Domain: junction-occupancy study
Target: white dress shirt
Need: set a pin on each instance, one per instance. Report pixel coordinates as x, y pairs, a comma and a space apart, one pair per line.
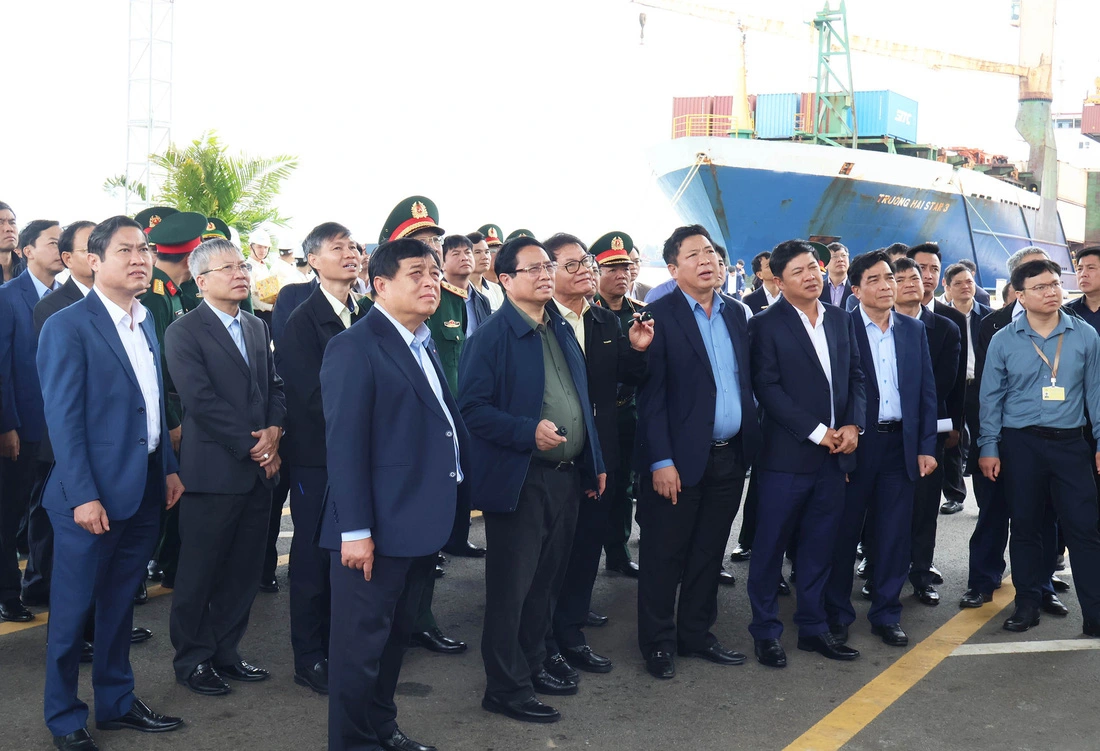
140, 354
83, 290
341, 309
821, 347
574, 320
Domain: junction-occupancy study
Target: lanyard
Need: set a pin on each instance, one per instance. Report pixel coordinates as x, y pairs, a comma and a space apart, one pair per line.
1057, 358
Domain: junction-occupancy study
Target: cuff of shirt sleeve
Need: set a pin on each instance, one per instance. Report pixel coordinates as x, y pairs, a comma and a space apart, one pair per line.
660, 465
358, 534
944, 425
990, 450
819, 434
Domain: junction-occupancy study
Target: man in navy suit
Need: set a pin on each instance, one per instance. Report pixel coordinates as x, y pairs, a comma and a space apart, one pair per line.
806, 375
100, 367
22, 422
837, 289
397, 451
535, 453
897, 448
697, 435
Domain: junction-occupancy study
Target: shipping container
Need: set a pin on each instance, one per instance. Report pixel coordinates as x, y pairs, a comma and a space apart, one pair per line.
885, 113
1090, 120
775, 115
691, 115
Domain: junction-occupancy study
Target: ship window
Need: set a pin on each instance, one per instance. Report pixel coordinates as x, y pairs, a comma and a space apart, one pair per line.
846, 169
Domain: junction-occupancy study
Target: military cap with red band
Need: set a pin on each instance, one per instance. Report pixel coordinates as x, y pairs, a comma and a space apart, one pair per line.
612, 248
152, 216
493, 234
178, 234
412, 215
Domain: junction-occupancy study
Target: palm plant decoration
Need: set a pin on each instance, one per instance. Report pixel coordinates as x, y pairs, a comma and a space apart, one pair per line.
202, 177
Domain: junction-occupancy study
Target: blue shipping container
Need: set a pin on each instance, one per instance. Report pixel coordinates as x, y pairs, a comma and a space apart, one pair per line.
885, 113
775, 115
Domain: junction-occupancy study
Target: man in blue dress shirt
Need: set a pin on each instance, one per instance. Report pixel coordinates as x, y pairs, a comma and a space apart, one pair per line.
1040, 373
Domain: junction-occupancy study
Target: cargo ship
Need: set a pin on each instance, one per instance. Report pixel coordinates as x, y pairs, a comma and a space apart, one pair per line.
848, 166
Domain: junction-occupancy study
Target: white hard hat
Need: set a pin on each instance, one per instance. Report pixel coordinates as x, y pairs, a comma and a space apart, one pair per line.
260, 237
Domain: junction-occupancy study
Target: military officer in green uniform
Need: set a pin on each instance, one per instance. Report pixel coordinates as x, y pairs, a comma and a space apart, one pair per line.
416, 218
612, 253
518, 233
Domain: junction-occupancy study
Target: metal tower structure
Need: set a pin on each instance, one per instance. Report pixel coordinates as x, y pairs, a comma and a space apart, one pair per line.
149, 95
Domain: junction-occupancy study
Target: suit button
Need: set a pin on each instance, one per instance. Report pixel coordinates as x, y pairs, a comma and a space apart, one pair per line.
141, 410
450, 434
141, 441
453, 475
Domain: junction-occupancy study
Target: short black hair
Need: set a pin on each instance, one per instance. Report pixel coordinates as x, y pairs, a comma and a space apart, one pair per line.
862, 263
897, 249
454, 242
559, 241
475, 237
671, 250
386, 259
722, 253
953, 271
758, 261
835, 247
34, 230
973, 267
323, 233
65, 242
1004, 293
1025, 271
506, 257
1092, 251
904, 264
784, 252
104, 231
932, 248
6, 207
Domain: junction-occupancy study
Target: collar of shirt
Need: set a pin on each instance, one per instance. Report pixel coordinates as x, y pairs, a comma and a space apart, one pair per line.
528, 319
134, 316
868, 323
41, 288
421, 335
569, 315
717, 303
1017, 310
930, 307
83, 290
341, 309
829, 279
806, 319
1065, 323
768, 296
225, 318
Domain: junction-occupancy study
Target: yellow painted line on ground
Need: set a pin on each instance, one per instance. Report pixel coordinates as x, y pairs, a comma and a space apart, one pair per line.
43, 616
859, 710
286, 511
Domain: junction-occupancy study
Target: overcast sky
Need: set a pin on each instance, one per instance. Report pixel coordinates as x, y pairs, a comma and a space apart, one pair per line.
525, 114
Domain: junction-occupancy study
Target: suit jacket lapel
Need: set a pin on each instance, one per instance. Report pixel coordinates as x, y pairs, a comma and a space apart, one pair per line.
736, 329
839, 369
403, 357
221, 336
865, 353
798, 331
30, 292
101, 319
685, 315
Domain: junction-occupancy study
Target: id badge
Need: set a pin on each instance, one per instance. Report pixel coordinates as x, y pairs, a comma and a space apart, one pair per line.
1054, 394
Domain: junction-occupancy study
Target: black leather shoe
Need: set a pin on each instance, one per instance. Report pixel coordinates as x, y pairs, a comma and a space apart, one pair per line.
827, 645
87, 652
269, 584
204, 679
242, 671
544, 683
937, 577
595, 620
865, 591
1060, 563
314, 678
440, 558
557, 666
861, 569
740, 554
435, 641
660, 665
784, 587
467, 550
1052, 605
725, 577
790, 577
972, 598
140, 717
769, 652
626, 568
717, 654
1024, 618
840, 631
81, 740
139, 634
859, 551
1059, 585
891, 633
528, 710
439, 573
13, 610
928, 595
950, 507
401, 742
584, 658
142, 595
1091, 628
153, 571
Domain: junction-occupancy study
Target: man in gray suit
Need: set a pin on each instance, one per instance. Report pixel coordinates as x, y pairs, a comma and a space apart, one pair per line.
233, 411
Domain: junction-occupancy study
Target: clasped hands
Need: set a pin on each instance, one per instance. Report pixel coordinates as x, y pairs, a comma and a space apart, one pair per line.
266, 451
841, 440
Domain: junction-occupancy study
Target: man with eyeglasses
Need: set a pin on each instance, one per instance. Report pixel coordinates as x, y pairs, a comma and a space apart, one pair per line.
1040, 373
484, 248
234, 410
523, 392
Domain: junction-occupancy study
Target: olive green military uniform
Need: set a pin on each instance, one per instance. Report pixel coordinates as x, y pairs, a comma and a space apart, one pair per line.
448, 327
164, 301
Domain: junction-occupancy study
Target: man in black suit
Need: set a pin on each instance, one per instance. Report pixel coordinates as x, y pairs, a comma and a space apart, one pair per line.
836, 289
697, 436
959, 280
806, 374
944, 346
234, 409
384, 516
767, 292
330, 310
611, 359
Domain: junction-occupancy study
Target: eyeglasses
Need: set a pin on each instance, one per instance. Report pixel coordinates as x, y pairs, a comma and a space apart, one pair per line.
245, 268
536, 271
1042, 289
573, 267
435, 241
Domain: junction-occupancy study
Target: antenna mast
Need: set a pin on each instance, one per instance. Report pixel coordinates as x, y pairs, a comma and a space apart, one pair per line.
149, 94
